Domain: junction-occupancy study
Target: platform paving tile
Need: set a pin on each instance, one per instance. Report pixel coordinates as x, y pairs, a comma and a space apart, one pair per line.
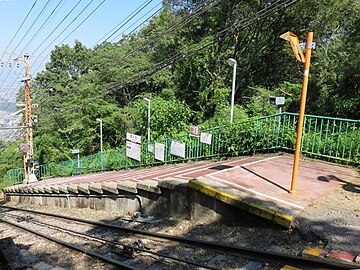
96, 187
48, 189
149, 185
55, 189
84, 188
39, 189
73, 188
63, 188
110, 187
126, 185
174, 184
243, 200
24, 189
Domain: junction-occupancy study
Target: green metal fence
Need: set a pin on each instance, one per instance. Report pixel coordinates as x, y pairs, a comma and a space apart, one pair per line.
333, 139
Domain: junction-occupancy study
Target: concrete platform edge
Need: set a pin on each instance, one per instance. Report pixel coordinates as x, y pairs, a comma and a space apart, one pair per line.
279, 218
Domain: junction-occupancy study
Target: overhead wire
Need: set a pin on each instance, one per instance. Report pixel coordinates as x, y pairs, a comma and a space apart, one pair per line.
53, 41
121, 24
192, 51
12, 39
139, 25
87, 17
188, 18
265, 12
42, 26
27, 32
76, 17
39, 66
17, 31
58, 25
170, 29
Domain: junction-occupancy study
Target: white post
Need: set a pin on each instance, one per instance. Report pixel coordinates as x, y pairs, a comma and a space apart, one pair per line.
148, 103
101, 134
232, 62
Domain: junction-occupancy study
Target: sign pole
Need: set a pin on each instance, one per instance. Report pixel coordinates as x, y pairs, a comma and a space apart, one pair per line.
309, 46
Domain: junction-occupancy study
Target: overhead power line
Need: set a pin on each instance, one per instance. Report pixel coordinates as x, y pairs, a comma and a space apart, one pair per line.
263, 13
121, 24
63, 30
23, 37
140, 24
42, 26
169, 30
17, 31
77, 16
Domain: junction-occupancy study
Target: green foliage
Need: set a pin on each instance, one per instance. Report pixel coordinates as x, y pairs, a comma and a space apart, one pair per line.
179, 61
9, 158
167, 117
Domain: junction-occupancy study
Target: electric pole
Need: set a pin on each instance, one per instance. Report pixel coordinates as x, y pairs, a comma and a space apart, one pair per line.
29, 170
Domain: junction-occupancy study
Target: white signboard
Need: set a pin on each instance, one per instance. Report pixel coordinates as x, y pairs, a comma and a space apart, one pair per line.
133, 146
177, 149
194, 131
133, 150
150, 148
159, 151
205, 137
133, 138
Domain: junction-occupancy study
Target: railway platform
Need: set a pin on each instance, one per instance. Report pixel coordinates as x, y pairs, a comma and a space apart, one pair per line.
257, 184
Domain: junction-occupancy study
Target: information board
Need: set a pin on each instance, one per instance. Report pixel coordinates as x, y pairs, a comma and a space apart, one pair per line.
159, 151
133, 150
133, 138
177, 149
205, 137
133, 146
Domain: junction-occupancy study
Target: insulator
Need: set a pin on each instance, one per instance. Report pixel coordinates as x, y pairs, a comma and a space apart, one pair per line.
17, 65
9, 64
2, 64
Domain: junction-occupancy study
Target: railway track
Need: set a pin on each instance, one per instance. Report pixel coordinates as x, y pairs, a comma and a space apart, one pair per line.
129, 248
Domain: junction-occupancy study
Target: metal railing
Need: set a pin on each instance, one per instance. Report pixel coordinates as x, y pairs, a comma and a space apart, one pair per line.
333, 139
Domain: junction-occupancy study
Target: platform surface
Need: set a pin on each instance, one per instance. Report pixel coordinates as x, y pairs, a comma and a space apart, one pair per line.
261, 182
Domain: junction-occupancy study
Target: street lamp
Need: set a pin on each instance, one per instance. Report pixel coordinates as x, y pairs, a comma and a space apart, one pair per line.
146, 100
232, 62
101, 139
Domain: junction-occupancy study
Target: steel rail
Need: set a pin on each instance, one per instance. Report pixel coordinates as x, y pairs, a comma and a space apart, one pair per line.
71, 246
249, 253
113, 242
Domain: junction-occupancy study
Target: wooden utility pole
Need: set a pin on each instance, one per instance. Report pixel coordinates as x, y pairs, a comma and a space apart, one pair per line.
29, 172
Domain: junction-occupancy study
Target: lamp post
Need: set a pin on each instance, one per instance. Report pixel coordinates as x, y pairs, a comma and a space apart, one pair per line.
232, 62
295, 45
101, 137
146, 100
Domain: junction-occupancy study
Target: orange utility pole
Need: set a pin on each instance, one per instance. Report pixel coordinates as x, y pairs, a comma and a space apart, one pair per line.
29, 170
308, 46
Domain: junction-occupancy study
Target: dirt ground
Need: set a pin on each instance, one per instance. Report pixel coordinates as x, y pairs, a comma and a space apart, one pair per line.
335, 218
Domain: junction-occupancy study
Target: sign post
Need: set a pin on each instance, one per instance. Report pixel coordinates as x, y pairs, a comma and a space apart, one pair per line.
299, 56
77, 151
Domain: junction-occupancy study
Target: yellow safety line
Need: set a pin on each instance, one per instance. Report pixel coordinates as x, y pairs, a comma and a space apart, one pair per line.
279, 218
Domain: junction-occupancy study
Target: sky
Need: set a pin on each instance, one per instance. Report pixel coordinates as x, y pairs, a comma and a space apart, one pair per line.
47, 19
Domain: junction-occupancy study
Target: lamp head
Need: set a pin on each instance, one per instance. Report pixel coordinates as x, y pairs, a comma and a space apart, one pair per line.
98, 119
231, 62
146, 100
